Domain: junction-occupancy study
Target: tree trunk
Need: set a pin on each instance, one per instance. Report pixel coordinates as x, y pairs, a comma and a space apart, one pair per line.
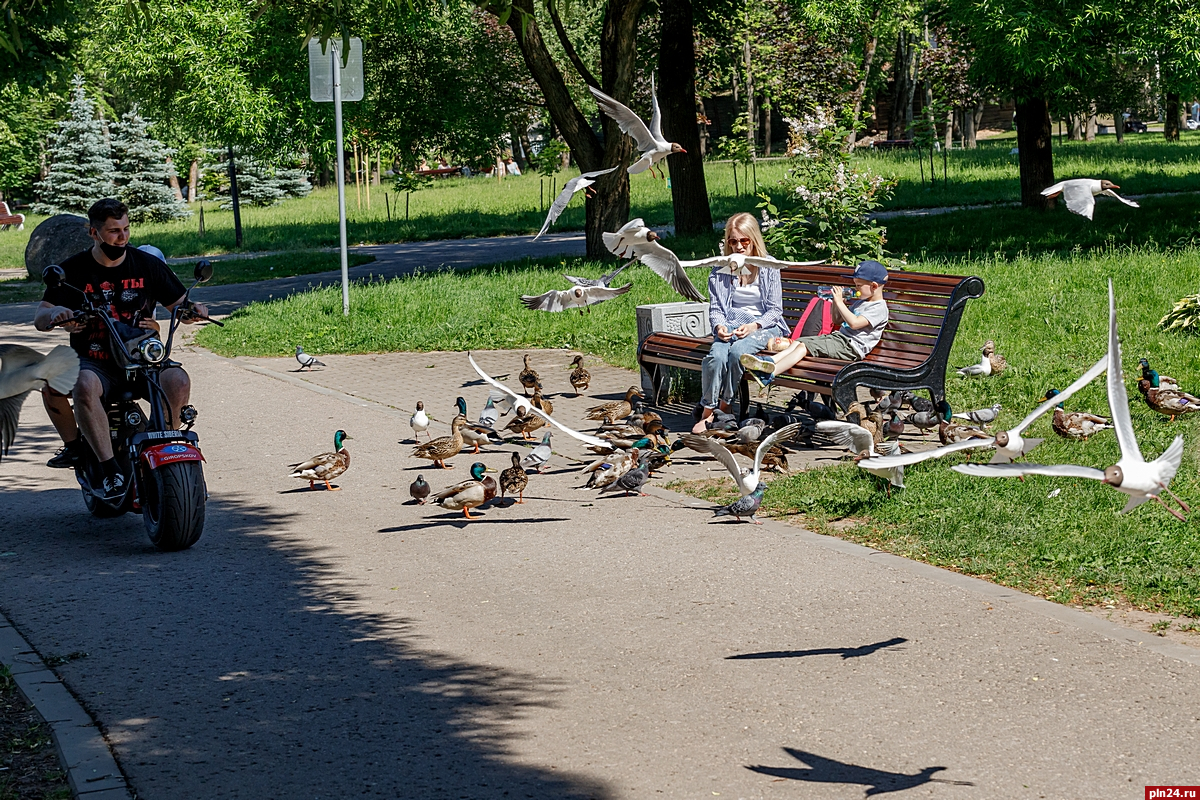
1076, 128
173, 181
702, 123
902, 88
766, 115
870, 44
609, 208
1090, 133
1119, 125
677, 97
751, 119
949, 138
969, 135
233, 195
193, 180
1174, 109
1036, 158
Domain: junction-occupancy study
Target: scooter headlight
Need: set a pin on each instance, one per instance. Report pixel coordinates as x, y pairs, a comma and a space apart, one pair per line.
152, 350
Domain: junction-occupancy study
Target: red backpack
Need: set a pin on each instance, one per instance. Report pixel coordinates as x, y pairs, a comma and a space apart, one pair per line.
817, 319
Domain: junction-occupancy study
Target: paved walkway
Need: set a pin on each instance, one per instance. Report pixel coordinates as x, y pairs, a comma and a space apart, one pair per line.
348, 644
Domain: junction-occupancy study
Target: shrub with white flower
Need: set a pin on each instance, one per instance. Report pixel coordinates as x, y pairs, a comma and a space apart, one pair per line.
825, 210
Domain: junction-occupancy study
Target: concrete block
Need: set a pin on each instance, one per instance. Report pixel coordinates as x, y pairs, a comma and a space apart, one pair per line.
684, 318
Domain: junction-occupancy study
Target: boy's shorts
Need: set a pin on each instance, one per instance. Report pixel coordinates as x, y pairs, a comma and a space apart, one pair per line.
831, 345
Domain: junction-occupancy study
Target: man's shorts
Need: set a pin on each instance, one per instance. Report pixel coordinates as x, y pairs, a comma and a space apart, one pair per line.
112, 381
830, 345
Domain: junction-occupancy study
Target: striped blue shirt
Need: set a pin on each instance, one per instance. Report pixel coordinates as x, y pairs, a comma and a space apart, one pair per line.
720, 304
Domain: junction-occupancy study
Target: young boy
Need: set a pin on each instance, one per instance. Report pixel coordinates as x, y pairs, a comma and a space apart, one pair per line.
861, 329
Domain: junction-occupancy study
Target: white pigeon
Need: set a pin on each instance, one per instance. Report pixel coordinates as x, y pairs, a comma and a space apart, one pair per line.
306, 361
983, 416
1132, 475
1009, 445
23, 369
580, 183
1080, 194
523, 406
539, 455
420, 422
576, 297
859, 441
650, 142
747, 480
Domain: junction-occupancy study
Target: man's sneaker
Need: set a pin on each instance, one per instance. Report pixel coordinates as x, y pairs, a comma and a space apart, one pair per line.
114, 487
66, 457
758, 364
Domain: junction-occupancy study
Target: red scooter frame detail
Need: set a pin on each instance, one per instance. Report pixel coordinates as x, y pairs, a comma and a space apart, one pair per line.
170, 452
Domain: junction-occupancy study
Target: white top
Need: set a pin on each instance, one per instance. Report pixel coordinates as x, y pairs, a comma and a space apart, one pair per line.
864, 340
748, 300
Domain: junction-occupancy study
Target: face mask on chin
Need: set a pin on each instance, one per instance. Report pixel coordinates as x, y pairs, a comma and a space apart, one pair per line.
112, 251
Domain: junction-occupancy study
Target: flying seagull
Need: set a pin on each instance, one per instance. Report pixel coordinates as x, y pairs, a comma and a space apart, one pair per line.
1080, 194
635, 240
23, 369
1132, 475
572, 186
306, 361
747, 480
740, 263
576, 297
650, 142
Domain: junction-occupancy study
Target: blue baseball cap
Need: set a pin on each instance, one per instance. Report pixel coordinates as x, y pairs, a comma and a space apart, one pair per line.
871, 271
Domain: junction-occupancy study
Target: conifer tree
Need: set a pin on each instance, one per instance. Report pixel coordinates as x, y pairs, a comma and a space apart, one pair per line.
143, 173
81, 166
259, 184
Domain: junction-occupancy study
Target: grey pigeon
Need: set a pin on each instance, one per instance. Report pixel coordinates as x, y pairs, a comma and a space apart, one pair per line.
490, 414
631, 481
751, 430
306, 361
744, 506
419, 489
920, 404
982, 416
538, 456
923, 420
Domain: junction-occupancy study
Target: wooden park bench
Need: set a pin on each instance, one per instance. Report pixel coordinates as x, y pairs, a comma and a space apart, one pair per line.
440, 172
8, 219
924, 312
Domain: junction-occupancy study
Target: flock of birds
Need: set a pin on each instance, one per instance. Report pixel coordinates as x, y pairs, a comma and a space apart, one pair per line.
631, 440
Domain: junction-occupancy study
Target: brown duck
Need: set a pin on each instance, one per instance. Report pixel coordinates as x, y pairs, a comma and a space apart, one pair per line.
616, 409
581, 379
443, 447
528, 376
514, 479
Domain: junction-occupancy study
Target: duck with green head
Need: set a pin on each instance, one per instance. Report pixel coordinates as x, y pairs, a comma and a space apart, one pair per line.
1157, 381
326, 466
469, 493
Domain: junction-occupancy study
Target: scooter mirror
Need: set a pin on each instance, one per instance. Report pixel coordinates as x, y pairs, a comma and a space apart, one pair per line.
204, 271
53, 276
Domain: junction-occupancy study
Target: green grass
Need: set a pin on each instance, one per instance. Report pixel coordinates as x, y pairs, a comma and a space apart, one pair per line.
1048, 315
234, 270
461, 207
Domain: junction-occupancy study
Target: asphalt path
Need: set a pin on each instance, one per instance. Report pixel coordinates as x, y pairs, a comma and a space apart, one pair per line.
328, 645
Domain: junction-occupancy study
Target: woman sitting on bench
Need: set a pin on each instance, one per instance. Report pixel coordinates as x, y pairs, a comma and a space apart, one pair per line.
861, 329
745, 311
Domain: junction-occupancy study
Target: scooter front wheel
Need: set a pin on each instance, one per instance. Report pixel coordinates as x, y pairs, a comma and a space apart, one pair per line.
173, 508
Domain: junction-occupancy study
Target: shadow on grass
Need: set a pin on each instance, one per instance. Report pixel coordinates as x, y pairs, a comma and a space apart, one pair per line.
245, 667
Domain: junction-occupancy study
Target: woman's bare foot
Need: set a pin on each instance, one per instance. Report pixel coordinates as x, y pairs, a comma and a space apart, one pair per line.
702, 424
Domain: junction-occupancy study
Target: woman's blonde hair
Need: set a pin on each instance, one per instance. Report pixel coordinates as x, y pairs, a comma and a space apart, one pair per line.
747, 225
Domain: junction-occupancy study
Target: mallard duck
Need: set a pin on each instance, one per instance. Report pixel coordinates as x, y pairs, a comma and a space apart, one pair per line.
1157, 381
528, 376
443, 447
1172, 402
525, 424
581, 379
514, 479
620, 429
473, 435
990, 363
419, 489
420, 422
1077, 425
539, 402
616, 409
470, 493
326, 466
605, 471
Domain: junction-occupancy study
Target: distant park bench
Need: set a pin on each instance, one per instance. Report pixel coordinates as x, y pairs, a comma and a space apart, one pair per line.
924, 312
440, 172
8, 219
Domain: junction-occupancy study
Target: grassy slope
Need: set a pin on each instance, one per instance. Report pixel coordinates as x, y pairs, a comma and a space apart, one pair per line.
460, 207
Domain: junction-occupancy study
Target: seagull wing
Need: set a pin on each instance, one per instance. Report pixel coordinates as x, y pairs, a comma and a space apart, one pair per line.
666, 264
10, 414
1111, 193
656, 117
1118, 399
720, 452
1082, 381
771, 263
854, 438
552, 300
1055, 189
598, 294
530, 409
1018, 470
925, 455
616, 241
597, 173
563, 200
1079, 197
784, 434
626, 120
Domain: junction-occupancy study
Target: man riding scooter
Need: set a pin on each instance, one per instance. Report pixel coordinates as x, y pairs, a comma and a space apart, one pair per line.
131, 282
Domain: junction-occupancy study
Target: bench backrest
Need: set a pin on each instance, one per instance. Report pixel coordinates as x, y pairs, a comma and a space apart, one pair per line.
917, 304
4, 212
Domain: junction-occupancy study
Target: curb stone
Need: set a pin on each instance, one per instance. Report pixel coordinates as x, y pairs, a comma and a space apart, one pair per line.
92, 772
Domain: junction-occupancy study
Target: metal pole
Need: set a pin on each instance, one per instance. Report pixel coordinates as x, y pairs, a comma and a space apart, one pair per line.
341, 173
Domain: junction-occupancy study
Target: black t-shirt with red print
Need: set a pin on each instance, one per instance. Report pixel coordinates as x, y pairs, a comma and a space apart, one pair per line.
129, 290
